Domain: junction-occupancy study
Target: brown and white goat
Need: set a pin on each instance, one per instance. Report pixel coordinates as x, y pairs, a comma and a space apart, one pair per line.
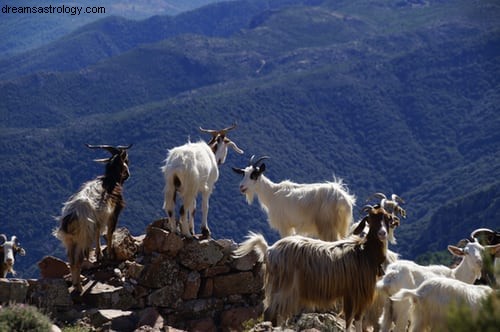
8, 252
305, 273
93, 211
190, 169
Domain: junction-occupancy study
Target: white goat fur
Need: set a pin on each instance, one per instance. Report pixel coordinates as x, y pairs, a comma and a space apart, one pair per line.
321, 210
408, 274
433, 298
191, 169
8, 251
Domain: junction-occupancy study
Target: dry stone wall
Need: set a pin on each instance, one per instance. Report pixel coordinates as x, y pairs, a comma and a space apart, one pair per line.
159, 280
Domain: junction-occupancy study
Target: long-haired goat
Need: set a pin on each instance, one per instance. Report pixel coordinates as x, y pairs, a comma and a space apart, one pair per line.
305, 273
408, 274
8, 252
433, 298
93, 211
192, 168
321, 210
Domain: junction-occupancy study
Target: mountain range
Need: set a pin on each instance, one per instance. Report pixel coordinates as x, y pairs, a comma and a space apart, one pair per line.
391, 96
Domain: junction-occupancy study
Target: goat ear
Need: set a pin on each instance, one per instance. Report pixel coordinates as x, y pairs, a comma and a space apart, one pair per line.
456, 251
361, 226
3, 239
262, 168
238, 170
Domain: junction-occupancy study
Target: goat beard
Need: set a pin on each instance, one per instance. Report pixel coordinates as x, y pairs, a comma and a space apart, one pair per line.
249, 195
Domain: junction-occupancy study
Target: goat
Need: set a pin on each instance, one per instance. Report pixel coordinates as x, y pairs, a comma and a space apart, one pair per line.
305, 273
433, 298
392, 205
93, 211
372, 313
487, 237
190, 169
321, 210
408, 274
8, 252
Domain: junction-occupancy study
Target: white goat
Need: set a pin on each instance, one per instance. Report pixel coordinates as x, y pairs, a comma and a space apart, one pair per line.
8, 252
433, 298
408, 274
321, 210
190, 169
93, 211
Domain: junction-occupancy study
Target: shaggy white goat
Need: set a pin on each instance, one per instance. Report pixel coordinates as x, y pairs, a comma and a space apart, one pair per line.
305, 273
8, 252
190, 169
408, 274
93, 211
321, 210
433, 298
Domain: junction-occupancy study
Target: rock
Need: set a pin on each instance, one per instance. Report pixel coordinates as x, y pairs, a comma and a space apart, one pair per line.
233, 319
192, 286
117, 320
133, 270
237, 283
150, 317
199, 255
52, 267
162, 241
50, 293
202, 325
245, 263
13, 290
161, 272
167, 296
101, 295
124, 245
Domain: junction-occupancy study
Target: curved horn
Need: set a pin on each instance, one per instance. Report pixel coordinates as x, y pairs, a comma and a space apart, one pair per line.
367, 208
112, 149
398, 199
3, 238
221, 132
108, 148
255, 163
377, 195
124, 147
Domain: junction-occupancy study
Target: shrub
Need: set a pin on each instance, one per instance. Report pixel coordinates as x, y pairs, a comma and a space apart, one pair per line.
21, 318
488, 319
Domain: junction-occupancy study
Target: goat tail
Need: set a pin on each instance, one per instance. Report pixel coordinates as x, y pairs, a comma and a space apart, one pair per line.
254, 242
405, 294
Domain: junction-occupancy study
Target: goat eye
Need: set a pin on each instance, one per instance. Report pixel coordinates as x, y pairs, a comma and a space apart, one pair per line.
254, 175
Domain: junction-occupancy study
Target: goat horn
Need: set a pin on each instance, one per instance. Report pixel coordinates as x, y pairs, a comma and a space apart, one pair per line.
255, 163
377, 195
109, 148
367, 208
3, 238
124, 147
221, 132
397, 199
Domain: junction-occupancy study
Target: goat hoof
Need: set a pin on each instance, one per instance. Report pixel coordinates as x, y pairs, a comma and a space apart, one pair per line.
205, 232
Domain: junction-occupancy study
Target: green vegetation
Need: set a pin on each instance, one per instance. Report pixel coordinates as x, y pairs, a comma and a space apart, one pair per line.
20, 318
461, 319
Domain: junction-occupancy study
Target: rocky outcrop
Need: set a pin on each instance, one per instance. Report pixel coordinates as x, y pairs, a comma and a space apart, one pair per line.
158, 281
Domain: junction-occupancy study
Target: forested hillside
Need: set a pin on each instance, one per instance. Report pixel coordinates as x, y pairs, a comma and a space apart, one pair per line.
391, 96
21, 31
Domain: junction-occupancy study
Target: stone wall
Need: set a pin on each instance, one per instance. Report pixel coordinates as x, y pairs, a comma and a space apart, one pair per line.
157, 280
